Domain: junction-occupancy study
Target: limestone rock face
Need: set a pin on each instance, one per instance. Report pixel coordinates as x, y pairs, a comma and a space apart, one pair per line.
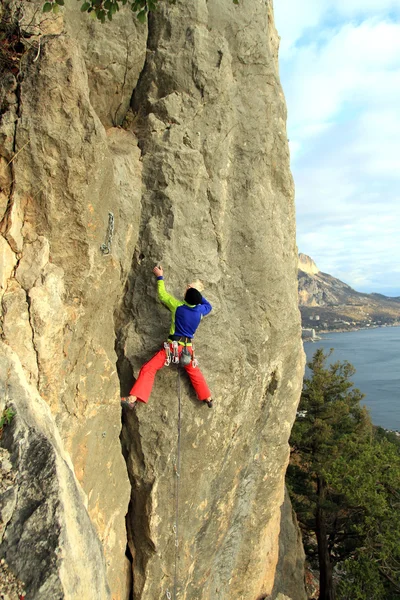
114, 55
198, 179
218, 200
59, 290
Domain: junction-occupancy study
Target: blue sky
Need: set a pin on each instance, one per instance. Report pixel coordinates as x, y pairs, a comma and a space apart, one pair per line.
340, 70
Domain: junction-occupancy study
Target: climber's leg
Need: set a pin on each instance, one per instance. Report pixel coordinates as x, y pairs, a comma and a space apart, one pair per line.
144, 383
198, 382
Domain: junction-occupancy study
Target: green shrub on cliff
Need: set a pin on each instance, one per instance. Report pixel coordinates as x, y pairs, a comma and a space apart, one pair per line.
6, 418
344, 480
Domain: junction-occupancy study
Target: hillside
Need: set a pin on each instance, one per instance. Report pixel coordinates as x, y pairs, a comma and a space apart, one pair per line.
326, 303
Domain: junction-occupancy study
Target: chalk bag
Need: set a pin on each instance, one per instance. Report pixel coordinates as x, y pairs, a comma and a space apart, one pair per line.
185, 357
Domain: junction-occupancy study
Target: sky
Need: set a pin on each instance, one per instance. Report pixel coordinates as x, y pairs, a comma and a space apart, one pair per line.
339, 64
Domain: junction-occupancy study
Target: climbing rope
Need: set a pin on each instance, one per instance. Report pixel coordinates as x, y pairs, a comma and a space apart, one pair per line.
177, 467
177, 477
106, 247
177, 481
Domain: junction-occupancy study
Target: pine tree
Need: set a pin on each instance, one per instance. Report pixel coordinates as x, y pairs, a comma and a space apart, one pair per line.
344, 483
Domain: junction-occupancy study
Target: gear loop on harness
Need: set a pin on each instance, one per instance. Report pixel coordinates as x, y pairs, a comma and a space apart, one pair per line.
175, 353
195, 362
167, 354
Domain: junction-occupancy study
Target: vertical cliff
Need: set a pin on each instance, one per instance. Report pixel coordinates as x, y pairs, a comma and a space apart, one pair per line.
166, 143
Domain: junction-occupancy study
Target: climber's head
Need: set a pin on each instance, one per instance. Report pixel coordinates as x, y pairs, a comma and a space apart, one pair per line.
192, 296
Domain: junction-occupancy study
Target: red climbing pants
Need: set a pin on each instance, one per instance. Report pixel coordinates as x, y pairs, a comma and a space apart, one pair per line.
144, 383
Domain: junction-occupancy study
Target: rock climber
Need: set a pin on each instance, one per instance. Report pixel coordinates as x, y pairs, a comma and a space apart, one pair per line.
186, 317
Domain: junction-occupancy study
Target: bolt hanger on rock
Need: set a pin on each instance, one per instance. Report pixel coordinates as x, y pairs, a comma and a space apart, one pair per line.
106, 247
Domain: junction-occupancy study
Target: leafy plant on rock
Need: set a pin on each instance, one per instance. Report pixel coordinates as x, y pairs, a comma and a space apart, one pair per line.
6, 418
106, 9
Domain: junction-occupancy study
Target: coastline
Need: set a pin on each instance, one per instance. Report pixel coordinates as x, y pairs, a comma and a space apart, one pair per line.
349, 329
375, 358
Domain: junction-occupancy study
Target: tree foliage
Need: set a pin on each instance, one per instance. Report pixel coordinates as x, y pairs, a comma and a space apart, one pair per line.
106, 9
6, 418
367, 475
344, 478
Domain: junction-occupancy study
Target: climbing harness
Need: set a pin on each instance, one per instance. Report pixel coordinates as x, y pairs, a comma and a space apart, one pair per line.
184, 359
106, 247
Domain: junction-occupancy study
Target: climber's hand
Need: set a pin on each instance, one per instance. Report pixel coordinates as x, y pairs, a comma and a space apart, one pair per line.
158, 271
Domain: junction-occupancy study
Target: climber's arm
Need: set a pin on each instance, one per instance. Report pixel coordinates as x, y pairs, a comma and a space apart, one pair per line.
168, 300
205, 306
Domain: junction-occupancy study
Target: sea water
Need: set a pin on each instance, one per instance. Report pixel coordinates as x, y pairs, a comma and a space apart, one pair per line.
375, 354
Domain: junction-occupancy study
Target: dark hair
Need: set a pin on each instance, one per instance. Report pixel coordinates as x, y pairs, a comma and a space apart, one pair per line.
193, 296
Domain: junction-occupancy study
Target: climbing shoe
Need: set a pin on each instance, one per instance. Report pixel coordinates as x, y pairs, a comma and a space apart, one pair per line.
127, 402
209, 403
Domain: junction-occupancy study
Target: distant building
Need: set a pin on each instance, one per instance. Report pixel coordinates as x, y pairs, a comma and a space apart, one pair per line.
307, 334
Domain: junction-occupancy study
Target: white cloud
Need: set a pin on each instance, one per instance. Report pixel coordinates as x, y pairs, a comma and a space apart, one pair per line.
363, 252
293, 18
295, 149
342, 86
296, 19
353, 8
358, 64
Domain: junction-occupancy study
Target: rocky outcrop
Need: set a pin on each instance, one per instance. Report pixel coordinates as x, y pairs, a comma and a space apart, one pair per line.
46, 535
307, 265
197, 178
290, 578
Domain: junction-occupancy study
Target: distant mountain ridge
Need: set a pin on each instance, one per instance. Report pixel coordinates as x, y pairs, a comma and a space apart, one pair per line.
326, 303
